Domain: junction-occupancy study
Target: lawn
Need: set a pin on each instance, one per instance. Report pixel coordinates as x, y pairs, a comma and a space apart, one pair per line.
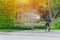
10, 30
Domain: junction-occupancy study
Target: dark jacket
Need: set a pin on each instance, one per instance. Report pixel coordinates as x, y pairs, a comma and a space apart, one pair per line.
47, 19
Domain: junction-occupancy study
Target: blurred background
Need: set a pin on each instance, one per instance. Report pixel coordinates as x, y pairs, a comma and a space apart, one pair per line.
29, 14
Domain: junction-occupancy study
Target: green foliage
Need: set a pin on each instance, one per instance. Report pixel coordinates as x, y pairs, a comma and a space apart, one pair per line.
56, 24
55, 4
7, 13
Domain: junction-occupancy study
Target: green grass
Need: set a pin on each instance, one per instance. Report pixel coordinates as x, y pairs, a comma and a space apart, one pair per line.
17, 29
10, 30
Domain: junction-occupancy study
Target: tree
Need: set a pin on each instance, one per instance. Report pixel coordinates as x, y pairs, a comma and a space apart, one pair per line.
7, 12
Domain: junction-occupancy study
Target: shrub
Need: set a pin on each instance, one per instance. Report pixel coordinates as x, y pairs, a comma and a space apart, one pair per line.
56, 23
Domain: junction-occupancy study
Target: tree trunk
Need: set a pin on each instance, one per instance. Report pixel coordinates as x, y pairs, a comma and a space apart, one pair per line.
57, 13
49, 8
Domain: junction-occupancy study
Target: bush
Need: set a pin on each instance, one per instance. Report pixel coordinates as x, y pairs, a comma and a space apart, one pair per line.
6, 22
22, 26
56, 23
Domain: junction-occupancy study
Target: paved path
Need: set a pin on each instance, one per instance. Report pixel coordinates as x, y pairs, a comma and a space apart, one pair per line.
31, 35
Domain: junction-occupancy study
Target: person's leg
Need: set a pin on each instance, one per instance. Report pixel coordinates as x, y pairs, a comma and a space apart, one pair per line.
45, 26
48, 27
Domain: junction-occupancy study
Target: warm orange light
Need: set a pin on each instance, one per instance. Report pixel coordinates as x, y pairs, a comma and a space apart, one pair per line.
23, 1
